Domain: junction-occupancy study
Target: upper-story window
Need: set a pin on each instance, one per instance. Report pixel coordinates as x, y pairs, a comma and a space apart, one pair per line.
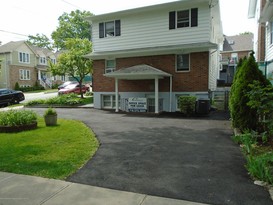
183, 18
183, 62
110, 66
110, 28
42, 60
53, 61
234, 58
24, 57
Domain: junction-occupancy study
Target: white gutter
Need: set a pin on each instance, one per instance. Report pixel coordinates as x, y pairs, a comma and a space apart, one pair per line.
252, 8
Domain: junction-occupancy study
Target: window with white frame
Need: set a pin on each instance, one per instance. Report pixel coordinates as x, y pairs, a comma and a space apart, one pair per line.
24, 74
53, 60
24, 57
182, 62
109, 29
183, 18
109, 101
110, 66
42, 60
234, 58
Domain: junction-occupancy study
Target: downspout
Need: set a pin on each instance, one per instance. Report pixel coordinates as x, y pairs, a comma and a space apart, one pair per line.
171, 94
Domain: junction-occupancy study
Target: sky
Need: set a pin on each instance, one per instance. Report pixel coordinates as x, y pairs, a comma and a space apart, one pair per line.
20, 18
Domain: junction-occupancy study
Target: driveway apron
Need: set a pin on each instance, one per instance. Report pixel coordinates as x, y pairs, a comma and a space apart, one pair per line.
189, 159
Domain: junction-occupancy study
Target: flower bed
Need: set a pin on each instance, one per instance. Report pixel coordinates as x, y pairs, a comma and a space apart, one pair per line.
17, 120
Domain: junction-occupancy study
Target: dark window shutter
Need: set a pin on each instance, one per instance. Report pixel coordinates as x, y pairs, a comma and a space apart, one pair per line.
117, 27
101, 30
194, 17
172, 20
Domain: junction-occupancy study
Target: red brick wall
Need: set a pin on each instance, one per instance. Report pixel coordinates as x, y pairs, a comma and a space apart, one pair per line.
193, 81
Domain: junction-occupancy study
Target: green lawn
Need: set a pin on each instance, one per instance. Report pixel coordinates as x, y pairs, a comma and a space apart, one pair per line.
53, 152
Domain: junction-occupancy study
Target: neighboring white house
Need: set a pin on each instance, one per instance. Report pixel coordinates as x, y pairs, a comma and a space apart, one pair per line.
157, 53
262, 11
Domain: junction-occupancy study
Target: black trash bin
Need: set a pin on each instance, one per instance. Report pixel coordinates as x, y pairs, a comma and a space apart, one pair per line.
203, 106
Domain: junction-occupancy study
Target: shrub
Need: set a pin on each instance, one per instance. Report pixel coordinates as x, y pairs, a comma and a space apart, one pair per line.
50, 111
243, 116
17, 87
68, 99
187, 104
17, 117
261, 167
261, 99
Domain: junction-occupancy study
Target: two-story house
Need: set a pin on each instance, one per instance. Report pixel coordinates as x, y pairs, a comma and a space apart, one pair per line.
234, 48
145, 58
262, 11
25, 64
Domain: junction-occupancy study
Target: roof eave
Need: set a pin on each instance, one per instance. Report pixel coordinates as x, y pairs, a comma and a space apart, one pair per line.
151, 51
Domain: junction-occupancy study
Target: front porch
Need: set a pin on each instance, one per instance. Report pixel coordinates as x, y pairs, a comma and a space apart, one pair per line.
150, 103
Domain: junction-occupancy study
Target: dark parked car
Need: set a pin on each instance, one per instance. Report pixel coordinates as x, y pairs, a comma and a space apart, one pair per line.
8, 96
73, 88
66, 84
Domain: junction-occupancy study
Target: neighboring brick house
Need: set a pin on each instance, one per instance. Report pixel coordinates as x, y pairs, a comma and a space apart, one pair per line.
262, 11
25, 64
234, 48
152, 55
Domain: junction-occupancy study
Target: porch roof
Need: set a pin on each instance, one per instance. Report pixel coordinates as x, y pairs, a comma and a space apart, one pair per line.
138, 72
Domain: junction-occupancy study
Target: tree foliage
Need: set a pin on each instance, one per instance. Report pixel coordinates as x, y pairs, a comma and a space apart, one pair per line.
243, 116
72, 62
71, 25
40, 40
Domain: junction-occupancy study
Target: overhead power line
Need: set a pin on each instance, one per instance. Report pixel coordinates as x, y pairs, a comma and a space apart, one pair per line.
71, 4
18, 34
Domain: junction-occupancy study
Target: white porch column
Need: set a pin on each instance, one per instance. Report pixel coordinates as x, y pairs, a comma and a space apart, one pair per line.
116, 91
39, 75
171, 90
156, 95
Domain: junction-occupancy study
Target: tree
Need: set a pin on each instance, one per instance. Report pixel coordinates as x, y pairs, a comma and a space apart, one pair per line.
73, 62
243, 116
246, 33
73, 25
40, 40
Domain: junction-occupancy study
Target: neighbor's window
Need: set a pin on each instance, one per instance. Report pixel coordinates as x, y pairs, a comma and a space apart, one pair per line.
53, 60
183, 62
110, 28
183, 18
42, 60
24, 74
23, 57
110, 66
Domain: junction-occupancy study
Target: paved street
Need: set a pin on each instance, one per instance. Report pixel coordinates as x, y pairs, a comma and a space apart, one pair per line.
188, 159
37, 96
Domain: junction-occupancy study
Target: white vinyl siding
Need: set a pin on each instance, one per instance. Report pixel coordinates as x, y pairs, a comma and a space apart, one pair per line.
144, 30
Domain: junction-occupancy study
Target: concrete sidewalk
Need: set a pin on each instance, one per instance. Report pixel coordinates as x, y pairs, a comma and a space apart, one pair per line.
18, 189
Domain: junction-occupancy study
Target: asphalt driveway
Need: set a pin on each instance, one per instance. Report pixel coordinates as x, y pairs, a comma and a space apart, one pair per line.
189, 159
